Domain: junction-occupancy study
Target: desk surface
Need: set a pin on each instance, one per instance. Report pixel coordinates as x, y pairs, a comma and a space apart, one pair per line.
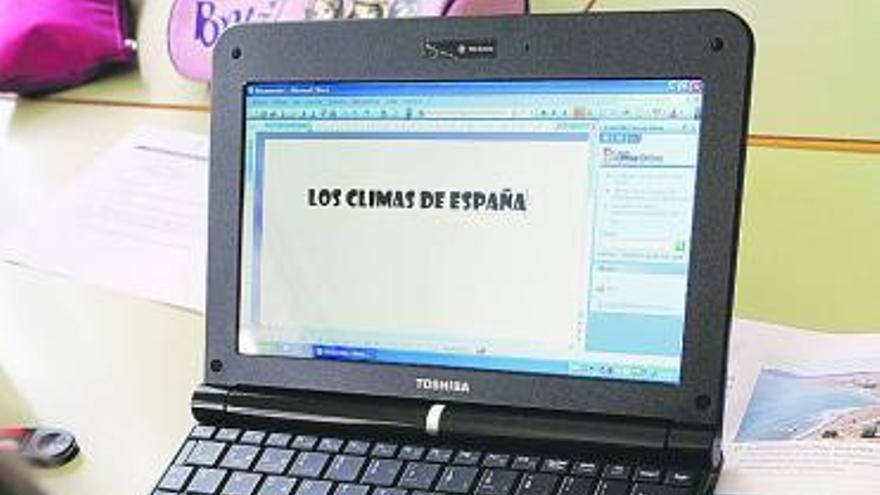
118, 371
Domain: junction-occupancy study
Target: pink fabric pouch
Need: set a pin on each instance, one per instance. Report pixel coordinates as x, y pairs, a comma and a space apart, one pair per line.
52, 44
195, 25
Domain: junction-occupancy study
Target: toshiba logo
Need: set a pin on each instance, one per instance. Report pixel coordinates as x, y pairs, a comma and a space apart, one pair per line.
437, 385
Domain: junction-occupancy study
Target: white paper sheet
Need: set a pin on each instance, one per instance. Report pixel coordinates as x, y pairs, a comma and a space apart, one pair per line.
800, 405
134, 221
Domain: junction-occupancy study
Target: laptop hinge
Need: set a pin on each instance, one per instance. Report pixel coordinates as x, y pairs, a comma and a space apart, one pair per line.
378, 415
528, 425
222, 405
208, 403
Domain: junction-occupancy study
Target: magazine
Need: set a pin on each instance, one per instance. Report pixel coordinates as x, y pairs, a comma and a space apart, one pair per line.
802, 414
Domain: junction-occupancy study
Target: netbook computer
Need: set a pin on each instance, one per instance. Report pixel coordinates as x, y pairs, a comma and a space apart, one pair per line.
470, 257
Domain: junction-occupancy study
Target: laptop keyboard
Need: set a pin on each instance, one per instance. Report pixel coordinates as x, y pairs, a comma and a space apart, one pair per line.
229, 461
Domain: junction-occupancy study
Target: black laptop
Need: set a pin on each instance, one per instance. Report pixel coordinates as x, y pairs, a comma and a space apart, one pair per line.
486, 256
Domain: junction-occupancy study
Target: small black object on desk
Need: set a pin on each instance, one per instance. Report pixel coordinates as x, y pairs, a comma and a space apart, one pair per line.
44, 447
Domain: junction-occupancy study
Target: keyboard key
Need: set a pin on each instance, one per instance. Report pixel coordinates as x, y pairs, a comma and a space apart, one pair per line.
496, 460
274, 461
648, 475
309, 464
351, 489
585, 468
332, 445
304, 442
357, 447
184, 452
314, 487
202, 432
466, 458
241, 484
496, 482
411, 453
206, 481
554, 466
345, 468
681, 478
240, 457
279, 440
206, 453
253, 437
418, 475
386, 450
612, 487
525, 463
389, 491
175, 478
576, 486
277, 485
381, 472
651, 489
457, 479
537, 484
439, 455
617, 472
228, 434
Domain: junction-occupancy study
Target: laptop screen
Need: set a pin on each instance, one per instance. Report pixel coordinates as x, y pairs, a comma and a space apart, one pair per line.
536, 226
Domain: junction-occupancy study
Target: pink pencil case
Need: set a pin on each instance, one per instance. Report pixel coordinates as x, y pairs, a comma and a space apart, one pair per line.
195, 25
52, 44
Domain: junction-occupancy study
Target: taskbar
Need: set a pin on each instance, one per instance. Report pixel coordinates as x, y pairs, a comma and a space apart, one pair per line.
602, 369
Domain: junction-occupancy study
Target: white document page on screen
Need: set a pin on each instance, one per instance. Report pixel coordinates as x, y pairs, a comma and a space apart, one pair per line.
417, 275
134, 221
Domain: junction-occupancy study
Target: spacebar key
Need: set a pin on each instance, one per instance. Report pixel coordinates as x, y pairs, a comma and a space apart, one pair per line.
537, 484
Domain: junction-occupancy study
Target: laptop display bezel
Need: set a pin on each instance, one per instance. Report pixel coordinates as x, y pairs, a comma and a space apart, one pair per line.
713, 46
